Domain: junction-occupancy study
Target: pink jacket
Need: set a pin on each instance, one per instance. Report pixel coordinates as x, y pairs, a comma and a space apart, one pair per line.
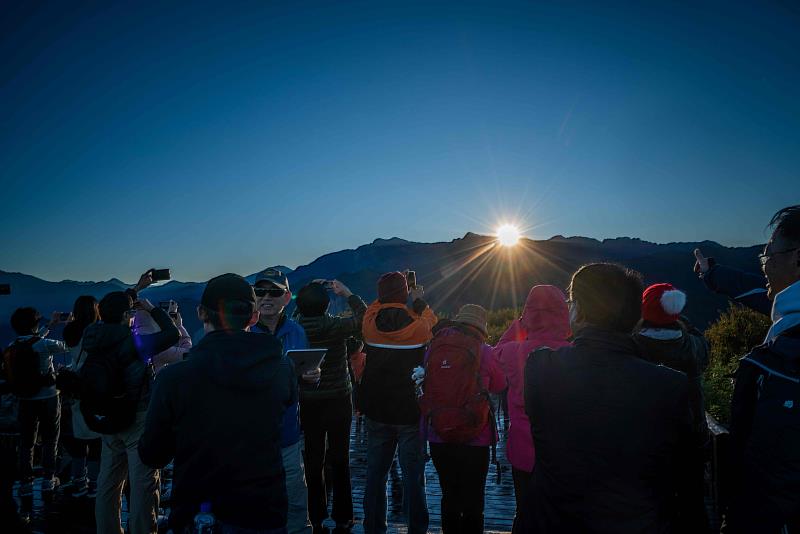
544, 322
493, 382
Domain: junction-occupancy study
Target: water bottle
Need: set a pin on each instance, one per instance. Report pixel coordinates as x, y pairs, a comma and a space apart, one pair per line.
204, 521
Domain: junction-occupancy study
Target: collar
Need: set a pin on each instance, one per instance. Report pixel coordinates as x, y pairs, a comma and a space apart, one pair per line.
596, 337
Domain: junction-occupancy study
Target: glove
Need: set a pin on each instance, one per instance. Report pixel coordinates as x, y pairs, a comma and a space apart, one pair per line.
418, 375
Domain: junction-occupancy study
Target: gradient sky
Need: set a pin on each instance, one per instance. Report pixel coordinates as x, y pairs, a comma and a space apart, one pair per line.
215, 137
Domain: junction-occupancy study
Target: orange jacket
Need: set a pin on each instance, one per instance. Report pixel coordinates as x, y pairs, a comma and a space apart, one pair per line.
416, 333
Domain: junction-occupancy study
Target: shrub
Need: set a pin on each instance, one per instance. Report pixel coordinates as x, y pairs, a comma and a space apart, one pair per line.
737, 330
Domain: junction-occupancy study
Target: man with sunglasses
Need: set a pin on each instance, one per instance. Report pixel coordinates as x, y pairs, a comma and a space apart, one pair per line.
765, 409
272, 296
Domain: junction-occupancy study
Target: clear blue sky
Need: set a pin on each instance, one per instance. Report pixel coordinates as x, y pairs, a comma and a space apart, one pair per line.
232, 137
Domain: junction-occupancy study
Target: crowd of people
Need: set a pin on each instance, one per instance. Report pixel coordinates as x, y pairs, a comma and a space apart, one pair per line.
608, 430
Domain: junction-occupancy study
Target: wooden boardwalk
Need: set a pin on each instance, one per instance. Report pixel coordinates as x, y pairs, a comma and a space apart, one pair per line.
63, 515
499, 512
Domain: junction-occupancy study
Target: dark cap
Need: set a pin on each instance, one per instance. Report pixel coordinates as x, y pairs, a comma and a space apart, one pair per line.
274, 277
227, 288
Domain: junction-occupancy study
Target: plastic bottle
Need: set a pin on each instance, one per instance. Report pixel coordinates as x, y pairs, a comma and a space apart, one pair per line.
205, 520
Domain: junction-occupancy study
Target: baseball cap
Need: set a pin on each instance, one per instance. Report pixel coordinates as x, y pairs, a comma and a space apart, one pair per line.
274, 277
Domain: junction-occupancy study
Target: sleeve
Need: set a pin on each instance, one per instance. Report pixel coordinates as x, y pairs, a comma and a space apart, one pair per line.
148, 345
348, 326
157, 444
746, 288
424, 323
743, 407
491, 373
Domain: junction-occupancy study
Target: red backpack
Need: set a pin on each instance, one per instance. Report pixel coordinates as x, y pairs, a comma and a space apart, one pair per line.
454, 402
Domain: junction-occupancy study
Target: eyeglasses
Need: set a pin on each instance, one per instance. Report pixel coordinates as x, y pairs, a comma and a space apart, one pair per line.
764, 258
274, 293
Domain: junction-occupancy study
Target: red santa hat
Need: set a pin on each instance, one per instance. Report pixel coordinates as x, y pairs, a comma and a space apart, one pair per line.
662, 304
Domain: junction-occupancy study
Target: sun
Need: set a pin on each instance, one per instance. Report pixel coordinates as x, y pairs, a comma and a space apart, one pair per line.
508, 235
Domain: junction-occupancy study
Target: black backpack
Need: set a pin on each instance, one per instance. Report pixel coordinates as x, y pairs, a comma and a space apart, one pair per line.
23, 368
105, 406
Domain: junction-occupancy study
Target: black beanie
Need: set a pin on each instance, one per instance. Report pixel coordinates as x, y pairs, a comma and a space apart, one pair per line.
313, 300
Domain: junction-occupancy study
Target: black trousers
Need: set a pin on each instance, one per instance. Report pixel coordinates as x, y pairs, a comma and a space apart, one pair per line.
462, 475
521, 481
42, 418
331, 419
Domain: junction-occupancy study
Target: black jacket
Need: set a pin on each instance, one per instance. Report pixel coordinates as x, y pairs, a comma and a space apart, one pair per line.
765, 437
218, 415
687, 354
132, 353
612, 433
387, 393
326, 331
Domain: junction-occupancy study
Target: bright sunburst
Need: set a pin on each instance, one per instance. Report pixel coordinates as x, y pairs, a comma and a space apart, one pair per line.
508, 235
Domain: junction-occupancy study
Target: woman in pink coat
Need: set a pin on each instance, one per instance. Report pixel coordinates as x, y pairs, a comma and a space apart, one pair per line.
544, 322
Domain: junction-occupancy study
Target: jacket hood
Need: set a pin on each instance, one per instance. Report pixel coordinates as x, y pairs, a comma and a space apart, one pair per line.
785, 311
237, 359
545, 313
99, 337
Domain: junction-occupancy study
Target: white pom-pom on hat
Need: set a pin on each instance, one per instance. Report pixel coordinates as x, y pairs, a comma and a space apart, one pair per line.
673, 301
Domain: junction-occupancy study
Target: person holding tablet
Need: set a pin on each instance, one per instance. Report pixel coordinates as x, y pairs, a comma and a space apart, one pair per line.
326, 409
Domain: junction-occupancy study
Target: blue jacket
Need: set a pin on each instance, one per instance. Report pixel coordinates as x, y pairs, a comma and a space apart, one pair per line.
292, 336
746, 288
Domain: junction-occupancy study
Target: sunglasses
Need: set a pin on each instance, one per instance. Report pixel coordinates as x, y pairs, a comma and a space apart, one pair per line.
262, 292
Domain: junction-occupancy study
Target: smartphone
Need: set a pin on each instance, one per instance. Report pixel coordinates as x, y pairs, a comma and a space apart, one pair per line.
5, 289
159, 275
411, 278
63, 316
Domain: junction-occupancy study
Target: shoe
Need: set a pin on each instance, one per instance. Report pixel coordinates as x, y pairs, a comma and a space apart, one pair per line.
91, 493
50, 484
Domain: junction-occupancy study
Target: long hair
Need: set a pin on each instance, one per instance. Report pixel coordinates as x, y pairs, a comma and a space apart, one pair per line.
84, 312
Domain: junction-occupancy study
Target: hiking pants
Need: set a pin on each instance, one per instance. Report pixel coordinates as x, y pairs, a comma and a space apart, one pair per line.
521, 481
329, 418
383, 440
296, 490
40, 417
462, 475
120, 460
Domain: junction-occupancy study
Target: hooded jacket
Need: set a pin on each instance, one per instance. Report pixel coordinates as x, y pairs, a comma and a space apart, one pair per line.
683, 349
395, 338
218, 415
544, 323
132, 353
764, 440
326, 331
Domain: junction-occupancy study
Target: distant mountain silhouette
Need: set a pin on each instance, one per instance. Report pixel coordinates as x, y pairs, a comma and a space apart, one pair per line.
470, 269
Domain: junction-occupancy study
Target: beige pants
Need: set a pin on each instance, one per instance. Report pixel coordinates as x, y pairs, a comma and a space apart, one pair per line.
120, 461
